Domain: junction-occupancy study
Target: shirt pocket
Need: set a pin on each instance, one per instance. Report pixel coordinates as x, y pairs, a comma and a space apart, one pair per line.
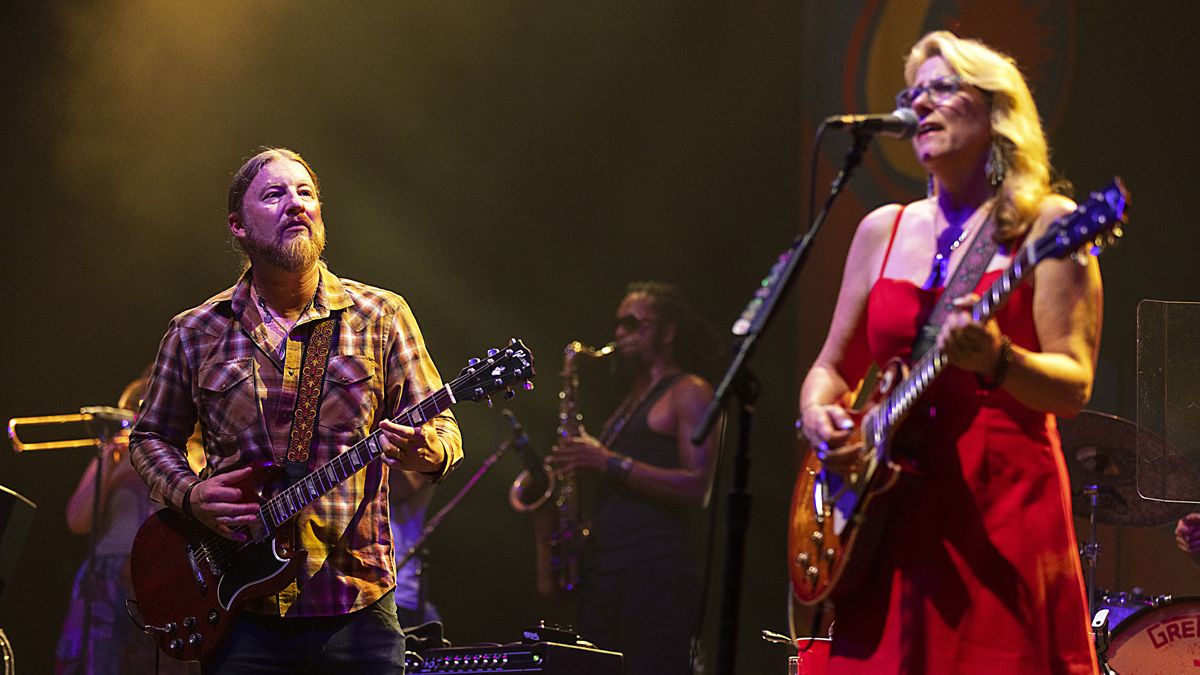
228, 403
350, 395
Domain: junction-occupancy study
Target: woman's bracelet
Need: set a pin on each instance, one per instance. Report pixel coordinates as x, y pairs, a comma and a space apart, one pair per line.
617, 468
1002, 364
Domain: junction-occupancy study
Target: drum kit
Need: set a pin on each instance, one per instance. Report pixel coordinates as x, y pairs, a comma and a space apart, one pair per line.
1135, 633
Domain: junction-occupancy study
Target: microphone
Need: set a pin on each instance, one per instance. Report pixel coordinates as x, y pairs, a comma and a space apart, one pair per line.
520, 443
900, 123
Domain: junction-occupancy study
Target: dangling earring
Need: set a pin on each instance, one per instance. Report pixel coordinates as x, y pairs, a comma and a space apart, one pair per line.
929, 185
995, 166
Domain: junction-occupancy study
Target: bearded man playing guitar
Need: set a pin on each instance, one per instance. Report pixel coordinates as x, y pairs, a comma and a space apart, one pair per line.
248, 365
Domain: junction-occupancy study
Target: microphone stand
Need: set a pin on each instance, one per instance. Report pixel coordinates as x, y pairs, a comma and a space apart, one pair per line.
418, 547
104, 430
740, 381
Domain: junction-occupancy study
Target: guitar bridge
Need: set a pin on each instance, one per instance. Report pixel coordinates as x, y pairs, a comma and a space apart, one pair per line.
200, 582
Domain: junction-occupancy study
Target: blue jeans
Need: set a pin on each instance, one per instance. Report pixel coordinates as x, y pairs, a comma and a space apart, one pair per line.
369, 640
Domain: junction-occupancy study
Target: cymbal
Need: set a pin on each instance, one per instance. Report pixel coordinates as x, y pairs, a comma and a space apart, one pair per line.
1102, 450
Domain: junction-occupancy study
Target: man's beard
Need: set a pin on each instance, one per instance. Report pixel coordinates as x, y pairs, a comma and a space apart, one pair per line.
295, 256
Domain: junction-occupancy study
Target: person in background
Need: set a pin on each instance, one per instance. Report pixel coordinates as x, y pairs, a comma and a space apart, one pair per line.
640, 592
114, 644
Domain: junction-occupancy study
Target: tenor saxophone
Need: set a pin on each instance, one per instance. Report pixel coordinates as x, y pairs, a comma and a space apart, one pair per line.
560, 530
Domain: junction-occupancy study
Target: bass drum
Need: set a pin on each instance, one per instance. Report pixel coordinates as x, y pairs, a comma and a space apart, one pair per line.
1163, 639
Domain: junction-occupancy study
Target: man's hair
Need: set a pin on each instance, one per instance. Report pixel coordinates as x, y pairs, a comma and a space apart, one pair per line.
246, 174
697, 347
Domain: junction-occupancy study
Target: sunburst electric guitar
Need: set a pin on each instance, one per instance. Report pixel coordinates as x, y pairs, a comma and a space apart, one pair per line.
836, 520
188, 580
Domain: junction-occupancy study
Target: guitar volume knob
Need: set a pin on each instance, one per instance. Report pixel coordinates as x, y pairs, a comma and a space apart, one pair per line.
812, 572
818, 537
213, 617
830, 553
176, 645
195, 639
802, 559
189, 622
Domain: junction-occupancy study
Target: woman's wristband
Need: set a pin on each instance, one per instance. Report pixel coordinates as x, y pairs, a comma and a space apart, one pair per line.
617, 467
1003, 361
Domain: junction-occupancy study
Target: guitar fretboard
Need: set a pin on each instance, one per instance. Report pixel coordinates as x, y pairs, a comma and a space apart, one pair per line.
284, 506
893, 409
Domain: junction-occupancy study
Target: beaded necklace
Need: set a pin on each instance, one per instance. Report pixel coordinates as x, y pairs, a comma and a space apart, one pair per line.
946, 247
275, 324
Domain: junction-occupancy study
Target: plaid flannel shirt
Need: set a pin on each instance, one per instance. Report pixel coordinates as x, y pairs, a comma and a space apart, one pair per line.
219, 364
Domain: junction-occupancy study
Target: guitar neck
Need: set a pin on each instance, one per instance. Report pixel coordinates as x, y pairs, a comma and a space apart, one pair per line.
899, 403
284, 506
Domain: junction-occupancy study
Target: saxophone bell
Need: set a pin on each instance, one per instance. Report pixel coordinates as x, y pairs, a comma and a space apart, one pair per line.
532, 489
535, 484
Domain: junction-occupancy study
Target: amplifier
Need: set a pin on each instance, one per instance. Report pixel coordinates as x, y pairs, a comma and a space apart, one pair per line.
548, 658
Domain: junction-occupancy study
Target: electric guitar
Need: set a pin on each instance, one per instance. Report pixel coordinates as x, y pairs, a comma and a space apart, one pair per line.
836, 520
188, 581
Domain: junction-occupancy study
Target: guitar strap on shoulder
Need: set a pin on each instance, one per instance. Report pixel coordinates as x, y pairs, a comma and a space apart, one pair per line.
314, 362
964, 280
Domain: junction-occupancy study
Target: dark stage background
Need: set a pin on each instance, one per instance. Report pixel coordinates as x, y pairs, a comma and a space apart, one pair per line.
508, 167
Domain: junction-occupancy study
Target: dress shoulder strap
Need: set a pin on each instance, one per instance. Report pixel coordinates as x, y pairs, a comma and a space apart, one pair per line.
891, 240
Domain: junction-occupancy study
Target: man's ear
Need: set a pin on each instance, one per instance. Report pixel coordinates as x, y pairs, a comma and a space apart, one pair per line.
235, 226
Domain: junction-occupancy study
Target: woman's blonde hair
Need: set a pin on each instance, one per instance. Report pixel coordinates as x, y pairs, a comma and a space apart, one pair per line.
1016, 130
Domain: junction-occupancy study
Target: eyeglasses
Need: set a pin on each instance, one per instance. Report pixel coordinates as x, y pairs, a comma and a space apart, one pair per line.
630, 323
940, 91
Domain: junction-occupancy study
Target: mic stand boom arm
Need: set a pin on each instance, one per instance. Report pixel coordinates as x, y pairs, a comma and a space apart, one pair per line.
418, 547
738, 378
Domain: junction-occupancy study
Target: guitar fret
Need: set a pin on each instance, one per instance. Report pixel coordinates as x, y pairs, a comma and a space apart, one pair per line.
373, 447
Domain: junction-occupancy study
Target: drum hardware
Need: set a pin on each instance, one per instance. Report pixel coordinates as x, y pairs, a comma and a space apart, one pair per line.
1101, 457
1101, 454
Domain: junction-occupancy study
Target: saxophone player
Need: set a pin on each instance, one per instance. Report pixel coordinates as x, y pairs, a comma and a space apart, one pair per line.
640, 590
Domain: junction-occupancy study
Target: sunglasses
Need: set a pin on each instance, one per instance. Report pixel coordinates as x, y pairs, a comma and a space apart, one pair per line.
940, 91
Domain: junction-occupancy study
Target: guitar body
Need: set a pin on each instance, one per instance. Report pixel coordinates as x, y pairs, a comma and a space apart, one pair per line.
189, 581
837, 520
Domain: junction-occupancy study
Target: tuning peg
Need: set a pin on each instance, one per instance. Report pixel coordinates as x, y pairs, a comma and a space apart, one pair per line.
493, 352
488, 401
509, 393
1118, 232
528, 385
472, 361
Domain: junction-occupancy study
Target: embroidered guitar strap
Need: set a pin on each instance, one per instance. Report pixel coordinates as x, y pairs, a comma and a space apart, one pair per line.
314, 362
966, 277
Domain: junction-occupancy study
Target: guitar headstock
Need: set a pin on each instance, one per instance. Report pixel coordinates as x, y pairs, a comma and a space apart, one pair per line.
1095, 223
501, 369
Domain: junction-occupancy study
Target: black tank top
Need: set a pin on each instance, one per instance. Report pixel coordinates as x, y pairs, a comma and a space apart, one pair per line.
633, 528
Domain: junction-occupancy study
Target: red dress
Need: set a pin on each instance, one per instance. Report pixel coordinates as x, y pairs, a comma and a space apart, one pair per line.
978, 570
